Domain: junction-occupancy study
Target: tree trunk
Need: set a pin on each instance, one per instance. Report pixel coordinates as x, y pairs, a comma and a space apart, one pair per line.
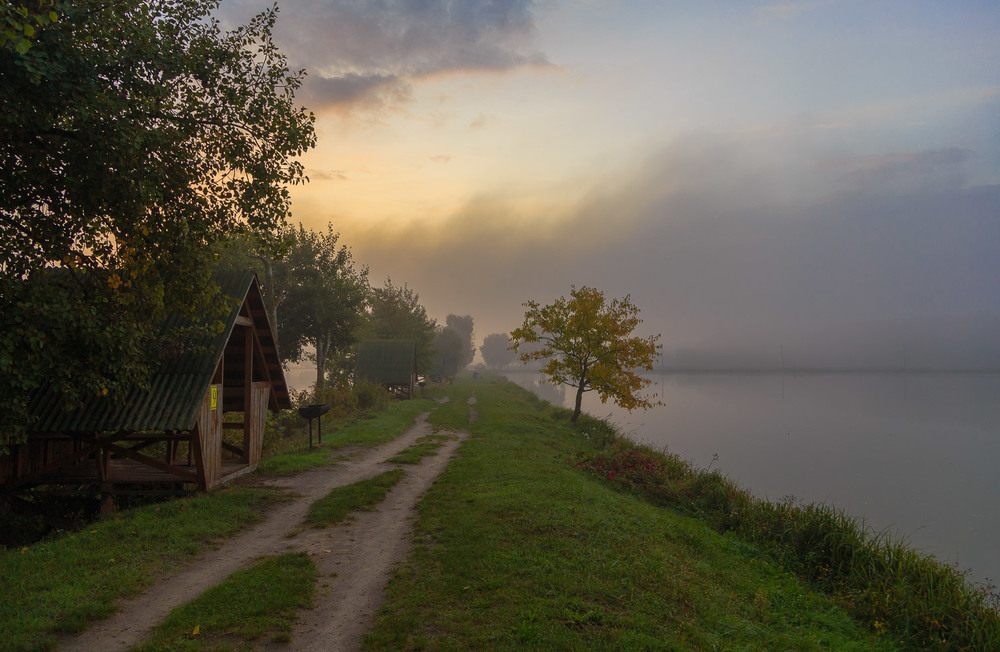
322, 348
579, 400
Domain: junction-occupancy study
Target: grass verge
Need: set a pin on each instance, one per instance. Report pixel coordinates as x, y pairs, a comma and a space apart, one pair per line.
903, 595
62, 584
516, 548
368, 430
251, 604
365, 494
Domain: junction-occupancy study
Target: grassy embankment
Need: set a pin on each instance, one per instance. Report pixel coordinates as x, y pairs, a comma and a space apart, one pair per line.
540, 535
544, 535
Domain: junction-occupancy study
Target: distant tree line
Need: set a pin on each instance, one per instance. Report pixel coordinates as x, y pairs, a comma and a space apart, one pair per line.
321, 303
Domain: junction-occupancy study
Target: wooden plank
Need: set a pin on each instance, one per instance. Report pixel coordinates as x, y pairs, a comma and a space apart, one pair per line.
209, 426
236, 450
256, 417
249, 343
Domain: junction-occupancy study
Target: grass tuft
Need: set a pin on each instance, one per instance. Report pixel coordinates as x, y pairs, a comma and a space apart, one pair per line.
366, 494
424, 447
251, 604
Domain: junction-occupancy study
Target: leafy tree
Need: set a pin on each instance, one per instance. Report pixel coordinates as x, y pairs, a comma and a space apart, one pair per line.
464, 329
448, 349
133, 135
324, 298
266, 256
497, 351
588, 344
395, 313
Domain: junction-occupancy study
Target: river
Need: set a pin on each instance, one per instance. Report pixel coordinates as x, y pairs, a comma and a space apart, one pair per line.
915, 454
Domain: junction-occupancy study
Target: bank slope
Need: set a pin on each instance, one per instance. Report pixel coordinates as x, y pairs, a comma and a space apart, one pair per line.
517, 548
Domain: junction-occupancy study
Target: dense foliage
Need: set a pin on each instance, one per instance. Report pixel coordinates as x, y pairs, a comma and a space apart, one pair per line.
133, 135
588, 344
464, 327
396, 314
326, 294
496, 350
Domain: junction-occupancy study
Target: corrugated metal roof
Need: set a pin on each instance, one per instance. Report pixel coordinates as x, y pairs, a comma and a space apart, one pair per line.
386, 361
176, 388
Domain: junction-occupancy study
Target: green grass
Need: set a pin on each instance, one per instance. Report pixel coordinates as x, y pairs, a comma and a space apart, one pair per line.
251, 604
517, 549
63, 584
424, 447
889, 587
365, 494
293, 455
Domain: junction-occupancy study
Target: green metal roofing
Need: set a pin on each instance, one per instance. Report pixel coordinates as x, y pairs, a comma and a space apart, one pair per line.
176, 388
390, 362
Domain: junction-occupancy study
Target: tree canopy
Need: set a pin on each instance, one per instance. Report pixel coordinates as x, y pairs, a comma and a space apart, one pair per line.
463, 326
496, 350
448, 349
326, 295
133, 135
395, 313
588, 343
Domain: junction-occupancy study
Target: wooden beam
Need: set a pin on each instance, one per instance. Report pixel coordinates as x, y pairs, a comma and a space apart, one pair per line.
233, 449
243, 321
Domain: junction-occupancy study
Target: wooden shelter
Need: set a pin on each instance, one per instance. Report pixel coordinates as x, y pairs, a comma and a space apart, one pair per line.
392, 363
199, 425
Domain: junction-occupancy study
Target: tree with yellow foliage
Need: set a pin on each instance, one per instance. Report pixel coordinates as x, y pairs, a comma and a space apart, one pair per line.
589, 344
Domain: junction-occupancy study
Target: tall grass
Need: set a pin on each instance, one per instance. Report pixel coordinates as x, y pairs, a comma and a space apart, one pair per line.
896, 591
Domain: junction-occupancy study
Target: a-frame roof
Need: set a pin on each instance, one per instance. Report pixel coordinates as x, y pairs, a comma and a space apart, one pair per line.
177, 388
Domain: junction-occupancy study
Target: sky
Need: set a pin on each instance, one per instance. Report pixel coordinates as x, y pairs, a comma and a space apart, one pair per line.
816, 179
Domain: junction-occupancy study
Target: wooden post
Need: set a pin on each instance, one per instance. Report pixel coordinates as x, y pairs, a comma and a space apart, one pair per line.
248, 345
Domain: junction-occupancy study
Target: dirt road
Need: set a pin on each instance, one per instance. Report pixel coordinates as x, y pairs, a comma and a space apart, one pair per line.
354, 559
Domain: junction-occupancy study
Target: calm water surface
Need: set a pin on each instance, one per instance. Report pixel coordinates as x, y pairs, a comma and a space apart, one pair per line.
915, 454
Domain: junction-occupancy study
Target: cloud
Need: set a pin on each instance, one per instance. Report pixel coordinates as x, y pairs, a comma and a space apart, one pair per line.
910, 172
368, 53
702, 238
481, 121
442, 158
783, 11
327, 175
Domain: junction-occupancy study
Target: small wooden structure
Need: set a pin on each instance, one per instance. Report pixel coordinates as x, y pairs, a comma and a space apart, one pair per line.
173, 437
392, 363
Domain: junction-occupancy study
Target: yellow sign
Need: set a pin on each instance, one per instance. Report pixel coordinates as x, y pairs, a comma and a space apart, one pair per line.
214, 400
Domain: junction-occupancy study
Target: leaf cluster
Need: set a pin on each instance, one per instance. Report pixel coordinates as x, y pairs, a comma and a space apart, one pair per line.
325, 294
496, 350
395, 313
588, 343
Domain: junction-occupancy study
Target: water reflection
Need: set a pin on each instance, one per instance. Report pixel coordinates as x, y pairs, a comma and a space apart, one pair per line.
915, 453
